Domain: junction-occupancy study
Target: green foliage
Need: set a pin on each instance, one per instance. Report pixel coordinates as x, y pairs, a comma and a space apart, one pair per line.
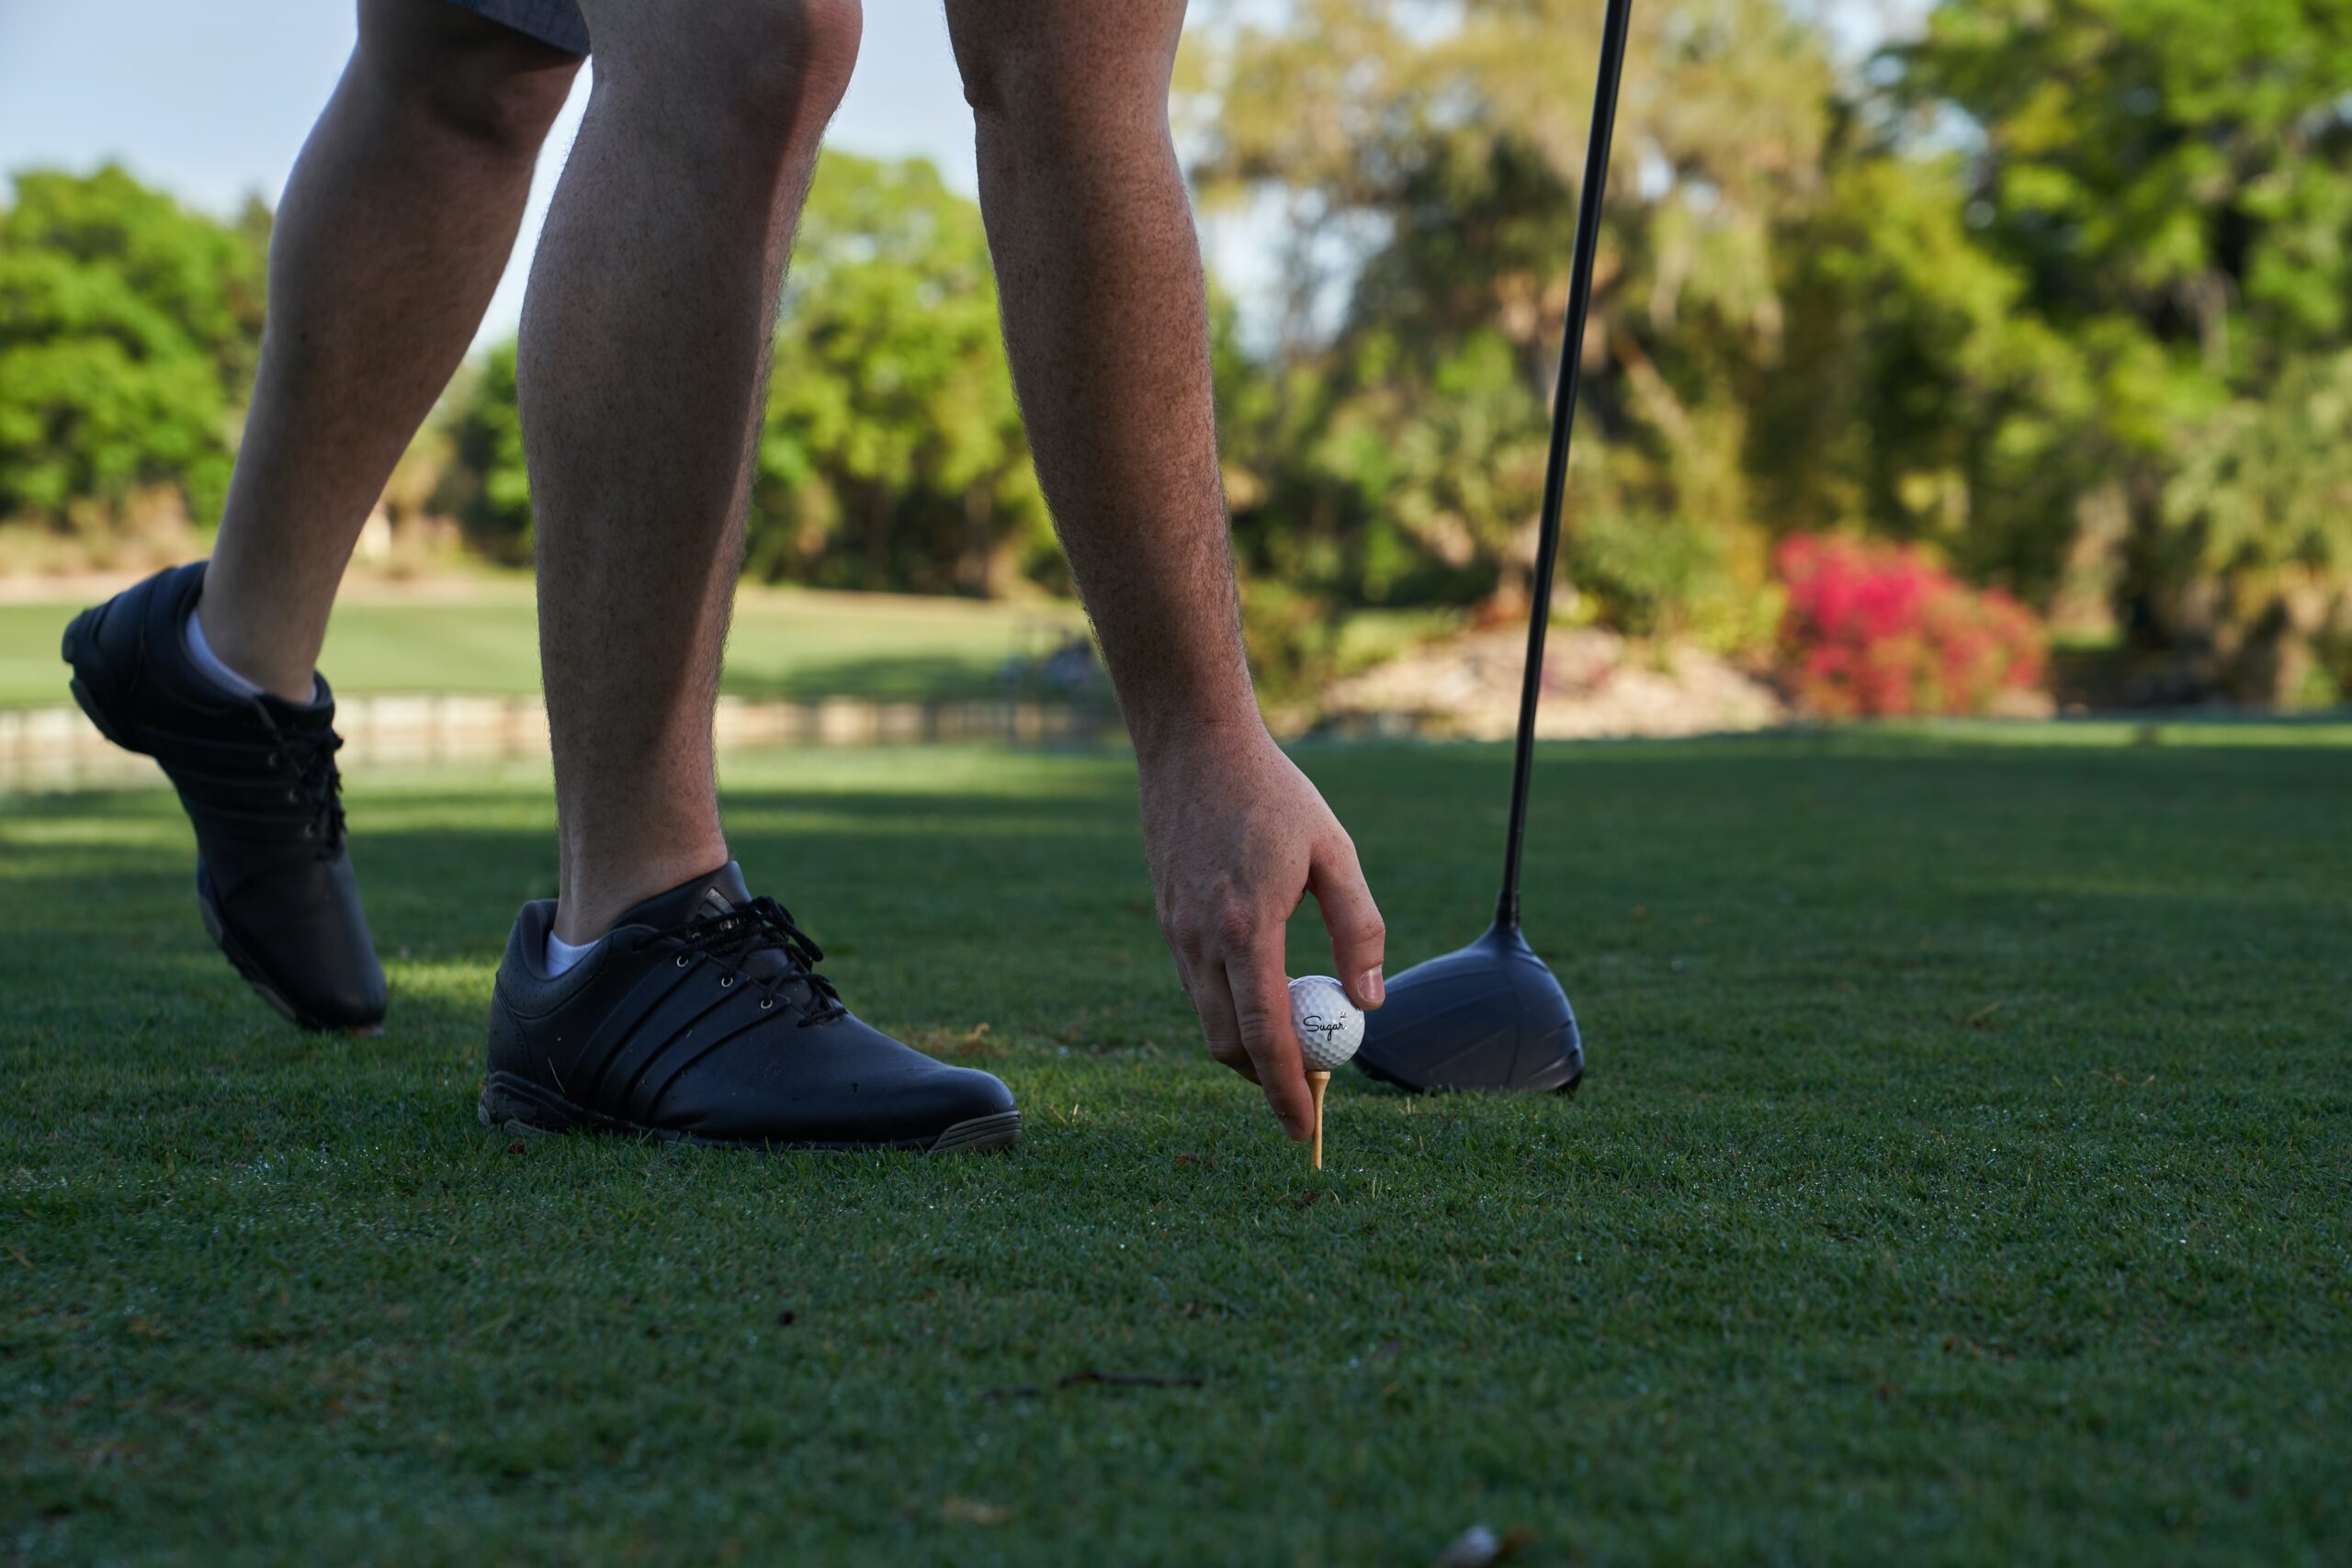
2258, 524
2171, 167
1294, 641
129, 330
2054, 291
1915, 392
892, 454
486, 486
2014, 270
1669, 578
2172, 182
1421, 456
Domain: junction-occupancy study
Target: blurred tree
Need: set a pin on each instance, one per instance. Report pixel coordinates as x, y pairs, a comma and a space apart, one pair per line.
413, 494
2170, 183
129, 330
1993, 294
2169, 167
2255, 533
892, 454
1916, 393
486, 486
1442, 145
2057, 290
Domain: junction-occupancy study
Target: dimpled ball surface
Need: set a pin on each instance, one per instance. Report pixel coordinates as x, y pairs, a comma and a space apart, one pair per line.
1329, 1026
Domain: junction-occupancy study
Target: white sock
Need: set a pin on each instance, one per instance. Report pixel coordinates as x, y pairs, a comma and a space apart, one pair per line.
562, 955
200, 653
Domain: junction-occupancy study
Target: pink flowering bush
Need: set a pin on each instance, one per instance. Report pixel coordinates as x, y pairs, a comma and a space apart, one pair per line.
1877, 630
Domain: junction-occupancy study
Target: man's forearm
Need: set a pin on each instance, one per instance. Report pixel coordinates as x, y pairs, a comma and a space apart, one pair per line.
1107, 324
1162, 603
1116, 386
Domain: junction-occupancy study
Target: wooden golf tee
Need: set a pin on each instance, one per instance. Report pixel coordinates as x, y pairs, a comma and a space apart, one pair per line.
1318, 1082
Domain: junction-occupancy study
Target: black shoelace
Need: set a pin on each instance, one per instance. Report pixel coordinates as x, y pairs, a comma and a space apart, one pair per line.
318, 781
765, 926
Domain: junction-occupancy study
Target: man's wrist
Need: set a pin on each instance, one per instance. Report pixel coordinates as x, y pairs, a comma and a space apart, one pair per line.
1160, 732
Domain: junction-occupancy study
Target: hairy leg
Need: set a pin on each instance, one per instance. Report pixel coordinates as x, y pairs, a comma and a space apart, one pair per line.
646, 338
396, 224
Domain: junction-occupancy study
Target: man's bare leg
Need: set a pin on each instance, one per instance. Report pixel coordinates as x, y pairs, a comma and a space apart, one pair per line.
1106, 321
396, 224
646, 338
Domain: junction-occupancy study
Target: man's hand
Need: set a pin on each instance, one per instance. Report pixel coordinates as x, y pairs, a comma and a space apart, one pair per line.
1235, 837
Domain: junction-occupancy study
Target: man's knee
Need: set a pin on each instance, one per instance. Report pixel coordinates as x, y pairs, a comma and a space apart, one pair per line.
776, 68
1065, 62
472, 75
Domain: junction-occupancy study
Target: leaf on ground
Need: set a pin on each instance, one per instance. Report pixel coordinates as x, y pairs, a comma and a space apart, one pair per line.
1202, 1160
972, 1042
972, 1511
1307, 1198
1130, 1379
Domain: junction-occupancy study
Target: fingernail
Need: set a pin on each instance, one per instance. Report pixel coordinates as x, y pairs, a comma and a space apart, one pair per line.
1368, 982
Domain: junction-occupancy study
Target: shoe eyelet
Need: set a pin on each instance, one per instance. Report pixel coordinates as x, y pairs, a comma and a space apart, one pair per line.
310, 830
682, 961
766, 1002
725, 981
276, 760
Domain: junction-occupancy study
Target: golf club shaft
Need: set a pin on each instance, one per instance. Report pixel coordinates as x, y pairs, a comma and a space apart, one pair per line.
1564, 415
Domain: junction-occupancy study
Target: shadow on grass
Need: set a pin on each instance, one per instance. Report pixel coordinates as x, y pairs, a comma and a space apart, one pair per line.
976, 922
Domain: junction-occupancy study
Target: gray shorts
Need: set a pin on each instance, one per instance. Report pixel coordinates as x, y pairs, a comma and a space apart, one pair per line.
557, 22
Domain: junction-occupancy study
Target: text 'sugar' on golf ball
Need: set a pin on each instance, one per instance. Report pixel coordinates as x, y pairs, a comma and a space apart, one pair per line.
1329, 1026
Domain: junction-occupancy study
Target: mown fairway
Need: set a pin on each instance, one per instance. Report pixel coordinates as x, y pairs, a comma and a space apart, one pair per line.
482, 637
1961, 1177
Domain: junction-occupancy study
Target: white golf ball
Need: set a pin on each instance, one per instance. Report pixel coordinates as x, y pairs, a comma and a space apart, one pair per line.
1329, 1026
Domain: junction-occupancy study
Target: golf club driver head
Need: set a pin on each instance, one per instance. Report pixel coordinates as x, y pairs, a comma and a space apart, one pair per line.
1485, 1016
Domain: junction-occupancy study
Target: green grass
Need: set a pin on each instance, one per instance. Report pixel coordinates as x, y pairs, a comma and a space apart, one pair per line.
482, 637
1962, 1178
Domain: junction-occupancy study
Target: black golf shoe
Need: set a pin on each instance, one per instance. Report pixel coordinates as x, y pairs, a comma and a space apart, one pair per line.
258, 780
701, 1016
